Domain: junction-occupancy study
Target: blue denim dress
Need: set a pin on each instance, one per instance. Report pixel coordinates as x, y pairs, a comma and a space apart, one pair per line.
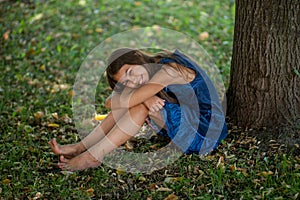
197, 123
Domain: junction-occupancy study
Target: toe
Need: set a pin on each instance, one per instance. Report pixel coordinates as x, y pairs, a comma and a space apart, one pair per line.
63, 159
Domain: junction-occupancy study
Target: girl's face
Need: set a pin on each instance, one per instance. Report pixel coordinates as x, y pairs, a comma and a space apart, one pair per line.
132, 76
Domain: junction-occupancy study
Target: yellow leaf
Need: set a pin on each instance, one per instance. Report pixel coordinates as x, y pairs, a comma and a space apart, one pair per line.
120, 171
6, 181
53, 125
42, 67
100, 117
142, 178
99, 30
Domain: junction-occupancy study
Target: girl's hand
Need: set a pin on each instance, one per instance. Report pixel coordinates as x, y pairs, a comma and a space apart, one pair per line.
154, 103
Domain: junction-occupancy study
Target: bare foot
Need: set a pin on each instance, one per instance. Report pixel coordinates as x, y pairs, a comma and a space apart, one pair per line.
80, 162
68, 151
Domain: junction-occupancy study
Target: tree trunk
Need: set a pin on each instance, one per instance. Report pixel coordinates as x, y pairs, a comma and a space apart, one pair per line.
264, 89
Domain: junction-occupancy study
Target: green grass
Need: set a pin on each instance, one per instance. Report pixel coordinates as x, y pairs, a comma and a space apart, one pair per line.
43, 44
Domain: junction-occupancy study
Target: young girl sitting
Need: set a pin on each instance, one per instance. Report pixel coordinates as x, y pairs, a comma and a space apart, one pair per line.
168, 90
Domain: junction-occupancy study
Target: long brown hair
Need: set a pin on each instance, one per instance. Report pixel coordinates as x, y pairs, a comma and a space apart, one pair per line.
131, 56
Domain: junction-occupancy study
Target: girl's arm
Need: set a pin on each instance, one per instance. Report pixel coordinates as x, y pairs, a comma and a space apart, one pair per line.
129, 97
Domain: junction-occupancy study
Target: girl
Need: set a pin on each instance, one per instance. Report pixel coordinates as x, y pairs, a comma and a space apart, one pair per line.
168, 90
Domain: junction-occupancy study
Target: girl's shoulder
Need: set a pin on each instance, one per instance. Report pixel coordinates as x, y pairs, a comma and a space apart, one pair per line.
170, 70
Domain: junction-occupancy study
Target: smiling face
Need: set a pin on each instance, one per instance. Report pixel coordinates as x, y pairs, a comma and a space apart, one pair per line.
132, 76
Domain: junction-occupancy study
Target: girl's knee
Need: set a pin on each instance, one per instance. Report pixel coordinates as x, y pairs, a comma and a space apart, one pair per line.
139, 109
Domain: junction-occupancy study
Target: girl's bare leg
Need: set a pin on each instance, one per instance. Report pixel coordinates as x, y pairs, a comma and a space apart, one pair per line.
72, 150
126, 127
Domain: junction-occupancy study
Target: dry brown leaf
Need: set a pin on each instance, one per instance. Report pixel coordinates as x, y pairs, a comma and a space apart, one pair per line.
232, 167
128, 146
38, 195
203, 36
171, 197
164, 189
90, 192
220, 162
54, 115
152, 186
71, 93
172, 179
38, 114
264, 173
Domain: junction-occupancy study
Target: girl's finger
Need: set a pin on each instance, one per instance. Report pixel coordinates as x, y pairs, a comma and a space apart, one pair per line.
152, 109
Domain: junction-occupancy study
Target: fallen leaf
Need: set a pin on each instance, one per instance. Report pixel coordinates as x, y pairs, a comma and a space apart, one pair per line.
53, 125
6, 35
142, 178
155, 146
264, 173
6, 181
120, 171
54, 115
99, 30
67, 119
232, 167
202, 186
42, 67
220, 162
128, 146
171, 197
89, 31
152, 186
71, 93
37, 195
172, 179
90, 192
30, 52
203, 36
37, 17
38, 114
164, 189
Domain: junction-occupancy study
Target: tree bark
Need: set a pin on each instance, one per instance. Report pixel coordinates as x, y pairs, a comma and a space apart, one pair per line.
264, 89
